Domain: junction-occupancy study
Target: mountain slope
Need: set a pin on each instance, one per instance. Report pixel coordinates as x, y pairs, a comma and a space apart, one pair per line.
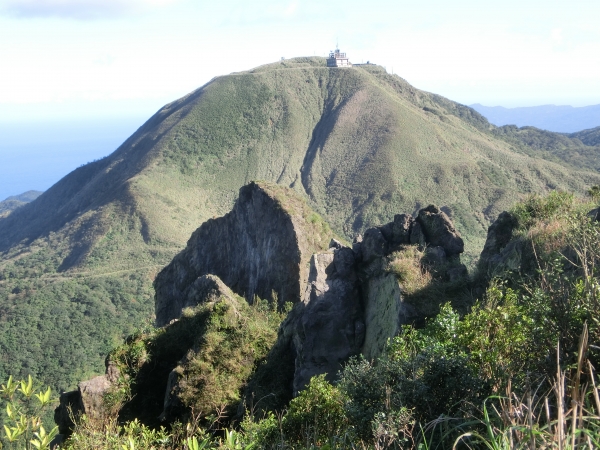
352, 140
579, 150
360, 144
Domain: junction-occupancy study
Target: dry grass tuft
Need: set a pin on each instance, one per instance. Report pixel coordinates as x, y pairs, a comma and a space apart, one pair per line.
406, 264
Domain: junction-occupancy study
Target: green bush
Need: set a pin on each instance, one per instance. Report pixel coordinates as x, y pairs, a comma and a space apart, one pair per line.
316, 414
498, 336
423, 371
536, 208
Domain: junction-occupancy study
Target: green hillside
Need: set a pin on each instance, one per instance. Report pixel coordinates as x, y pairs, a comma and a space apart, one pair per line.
588, 137
77, 263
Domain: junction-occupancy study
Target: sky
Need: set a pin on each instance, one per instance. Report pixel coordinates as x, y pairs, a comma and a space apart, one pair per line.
101, 61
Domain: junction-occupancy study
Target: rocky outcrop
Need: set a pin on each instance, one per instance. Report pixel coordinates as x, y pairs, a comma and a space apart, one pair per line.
262, 247
212, 292
88, 399
353, 304
348, 301
385, 307
439, 231
508, 249
500, 253
328, 326
205, 288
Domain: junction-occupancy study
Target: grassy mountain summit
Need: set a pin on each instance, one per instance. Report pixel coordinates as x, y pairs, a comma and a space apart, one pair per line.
360, 144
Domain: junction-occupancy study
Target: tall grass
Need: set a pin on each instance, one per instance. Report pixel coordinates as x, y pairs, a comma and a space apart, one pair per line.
565, 418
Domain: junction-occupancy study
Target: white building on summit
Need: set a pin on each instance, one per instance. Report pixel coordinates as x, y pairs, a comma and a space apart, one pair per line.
338, 59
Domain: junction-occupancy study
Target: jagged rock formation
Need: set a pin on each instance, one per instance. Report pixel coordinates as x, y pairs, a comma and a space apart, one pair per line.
204, 289
262, 247
353, 304
347, 300
328, 326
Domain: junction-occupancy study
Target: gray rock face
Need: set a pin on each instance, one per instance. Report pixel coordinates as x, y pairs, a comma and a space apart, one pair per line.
92, 392
499, 253
416, 235
352, 304
401, 228
374, 245
439, 231
206, 288
382, 313
88, 399
259, 248
328, 326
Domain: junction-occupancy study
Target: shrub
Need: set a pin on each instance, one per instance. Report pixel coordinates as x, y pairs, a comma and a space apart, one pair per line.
423, 371
537, 208
316, 414
498, 336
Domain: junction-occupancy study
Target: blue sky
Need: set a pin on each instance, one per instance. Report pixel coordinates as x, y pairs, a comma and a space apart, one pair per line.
95, 60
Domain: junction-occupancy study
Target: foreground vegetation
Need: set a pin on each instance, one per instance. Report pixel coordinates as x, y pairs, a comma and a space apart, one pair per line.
517, 371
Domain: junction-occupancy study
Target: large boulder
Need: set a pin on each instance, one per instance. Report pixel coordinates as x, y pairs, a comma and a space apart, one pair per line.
88, 399
439, 230
262, 247
497, 256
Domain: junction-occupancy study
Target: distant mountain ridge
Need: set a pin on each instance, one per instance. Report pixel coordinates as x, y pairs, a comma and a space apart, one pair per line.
359, 144
561, 119
15, 201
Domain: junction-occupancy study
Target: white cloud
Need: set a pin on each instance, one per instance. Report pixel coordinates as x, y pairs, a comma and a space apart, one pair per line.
78, 9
